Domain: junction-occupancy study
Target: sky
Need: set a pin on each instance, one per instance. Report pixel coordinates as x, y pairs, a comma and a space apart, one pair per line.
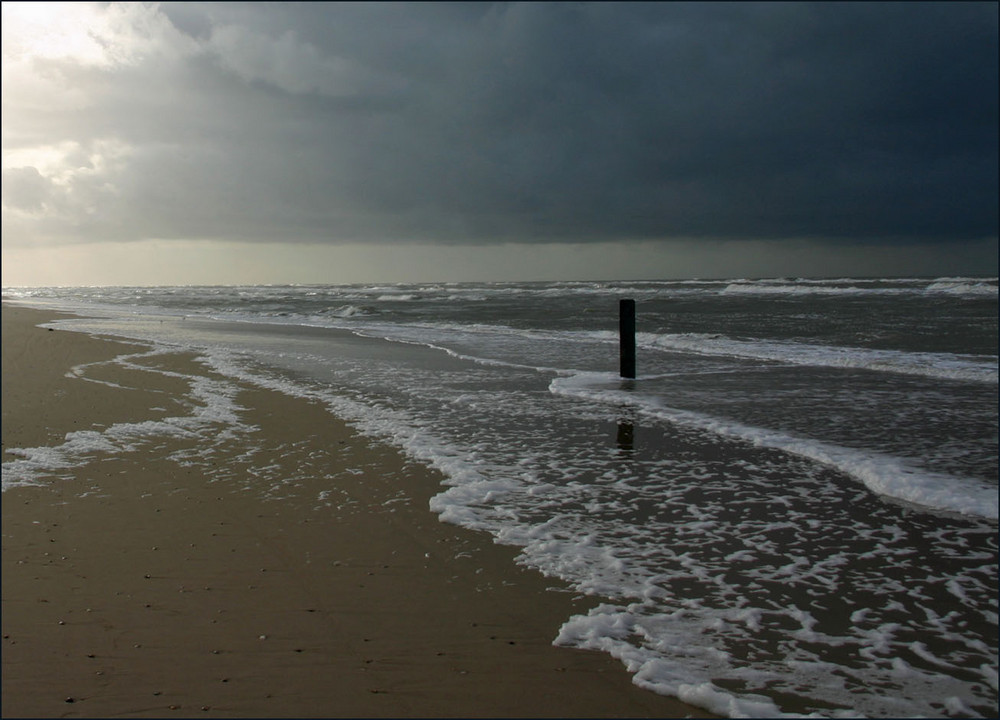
281, 142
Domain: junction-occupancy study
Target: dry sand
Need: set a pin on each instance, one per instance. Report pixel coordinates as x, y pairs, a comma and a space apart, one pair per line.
138, 586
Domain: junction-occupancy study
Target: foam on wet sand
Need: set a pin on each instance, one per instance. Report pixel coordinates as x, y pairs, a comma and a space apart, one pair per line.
240, 552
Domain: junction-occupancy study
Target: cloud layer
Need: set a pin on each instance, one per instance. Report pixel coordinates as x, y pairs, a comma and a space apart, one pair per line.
489, 123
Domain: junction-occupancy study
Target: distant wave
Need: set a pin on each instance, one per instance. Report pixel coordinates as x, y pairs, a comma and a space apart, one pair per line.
348, 311
951, 286
961, 286
748, 288
938, 365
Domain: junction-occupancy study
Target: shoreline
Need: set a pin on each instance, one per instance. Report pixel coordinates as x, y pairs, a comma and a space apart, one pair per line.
295, 570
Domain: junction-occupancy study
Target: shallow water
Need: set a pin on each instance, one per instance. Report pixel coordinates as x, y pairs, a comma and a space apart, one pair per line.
792, 508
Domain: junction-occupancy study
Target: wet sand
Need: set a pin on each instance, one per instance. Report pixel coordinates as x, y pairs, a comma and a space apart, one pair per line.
141, 585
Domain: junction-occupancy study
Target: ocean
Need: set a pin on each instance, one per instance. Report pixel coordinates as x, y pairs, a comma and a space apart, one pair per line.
791, 509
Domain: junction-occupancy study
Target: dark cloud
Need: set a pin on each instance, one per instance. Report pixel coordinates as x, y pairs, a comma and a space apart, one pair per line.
494, 122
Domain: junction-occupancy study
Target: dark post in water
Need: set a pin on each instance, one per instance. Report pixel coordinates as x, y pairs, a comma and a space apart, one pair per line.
626, 332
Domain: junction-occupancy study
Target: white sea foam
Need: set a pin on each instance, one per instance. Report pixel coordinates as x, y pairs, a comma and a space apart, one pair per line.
680, 663
883, 474
962, 286
212, 409
349, 311
938, 365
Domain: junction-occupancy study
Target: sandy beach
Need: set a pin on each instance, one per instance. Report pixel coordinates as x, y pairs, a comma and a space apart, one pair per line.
136, 585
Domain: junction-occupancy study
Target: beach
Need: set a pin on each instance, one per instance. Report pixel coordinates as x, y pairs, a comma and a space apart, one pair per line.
137, 585
422, 499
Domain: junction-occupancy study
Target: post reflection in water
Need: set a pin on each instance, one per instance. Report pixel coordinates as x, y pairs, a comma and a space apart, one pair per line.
626, 435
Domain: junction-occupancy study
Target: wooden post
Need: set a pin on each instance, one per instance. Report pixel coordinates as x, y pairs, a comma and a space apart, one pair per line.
626, 332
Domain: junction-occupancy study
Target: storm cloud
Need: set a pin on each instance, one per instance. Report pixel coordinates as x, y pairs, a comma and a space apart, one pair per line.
489, 123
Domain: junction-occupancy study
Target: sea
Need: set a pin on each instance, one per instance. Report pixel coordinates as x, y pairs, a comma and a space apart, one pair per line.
790, 510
